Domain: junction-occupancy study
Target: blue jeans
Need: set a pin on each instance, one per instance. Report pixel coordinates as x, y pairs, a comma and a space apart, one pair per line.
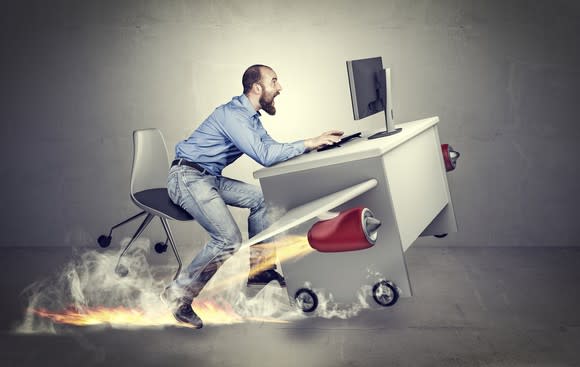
206, 197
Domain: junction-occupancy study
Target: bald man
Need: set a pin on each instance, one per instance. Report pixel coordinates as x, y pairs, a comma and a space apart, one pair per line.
196, 184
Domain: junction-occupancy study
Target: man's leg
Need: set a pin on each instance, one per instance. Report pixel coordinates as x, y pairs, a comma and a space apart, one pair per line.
199, 195
262, 255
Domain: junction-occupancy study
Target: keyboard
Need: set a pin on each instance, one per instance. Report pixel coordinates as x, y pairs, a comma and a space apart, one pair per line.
343, 140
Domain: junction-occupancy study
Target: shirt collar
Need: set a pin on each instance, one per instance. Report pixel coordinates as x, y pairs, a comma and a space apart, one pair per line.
248, 105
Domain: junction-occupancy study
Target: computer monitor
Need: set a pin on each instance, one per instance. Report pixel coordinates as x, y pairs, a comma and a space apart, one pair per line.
370, 92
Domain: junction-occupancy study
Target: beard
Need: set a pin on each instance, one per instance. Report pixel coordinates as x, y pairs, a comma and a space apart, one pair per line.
267, 103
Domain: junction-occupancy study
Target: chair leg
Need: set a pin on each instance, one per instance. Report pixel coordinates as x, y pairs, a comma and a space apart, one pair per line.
140, 230
105, 241
173, 247
126, 221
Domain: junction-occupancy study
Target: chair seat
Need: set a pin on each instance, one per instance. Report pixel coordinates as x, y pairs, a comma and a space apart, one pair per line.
158, 201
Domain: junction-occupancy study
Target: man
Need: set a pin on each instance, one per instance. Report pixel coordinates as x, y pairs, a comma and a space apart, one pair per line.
196, 183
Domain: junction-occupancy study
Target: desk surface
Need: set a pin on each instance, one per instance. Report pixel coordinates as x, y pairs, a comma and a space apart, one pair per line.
354, 150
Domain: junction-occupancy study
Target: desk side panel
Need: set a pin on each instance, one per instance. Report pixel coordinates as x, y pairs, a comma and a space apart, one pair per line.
445, 222
417, 183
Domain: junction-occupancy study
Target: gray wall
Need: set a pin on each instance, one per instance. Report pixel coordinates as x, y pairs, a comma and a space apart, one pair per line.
77, 77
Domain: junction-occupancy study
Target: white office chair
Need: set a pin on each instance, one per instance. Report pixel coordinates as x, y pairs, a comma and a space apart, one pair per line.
148, 191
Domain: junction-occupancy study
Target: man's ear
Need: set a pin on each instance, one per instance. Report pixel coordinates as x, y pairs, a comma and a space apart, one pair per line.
257, 88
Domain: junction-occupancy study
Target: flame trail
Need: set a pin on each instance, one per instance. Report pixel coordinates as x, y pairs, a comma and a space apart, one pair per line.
211, 312
287, 248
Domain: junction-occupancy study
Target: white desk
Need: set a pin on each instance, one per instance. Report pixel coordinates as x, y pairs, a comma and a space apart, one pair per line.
411, 199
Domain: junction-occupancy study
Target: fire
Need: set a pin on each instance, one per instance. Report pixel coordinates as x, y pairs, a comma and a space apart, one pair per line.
211, 311
117, 316
287, 248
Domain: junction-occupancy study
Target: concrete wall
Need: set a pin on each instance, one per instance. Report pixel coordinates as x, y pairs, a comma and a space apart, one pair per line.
78, 76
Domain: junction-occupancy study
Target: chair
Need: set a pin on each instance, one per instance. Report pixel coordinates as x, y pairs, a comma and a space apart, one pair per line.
148, 191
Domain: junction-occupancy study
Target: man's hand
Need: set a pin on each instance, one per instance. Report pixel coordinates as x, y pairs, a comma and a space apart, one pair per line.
326, 138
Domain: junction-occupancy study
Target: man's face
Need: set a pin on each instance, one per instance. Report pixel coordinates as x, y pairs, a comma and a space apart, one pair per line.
270, 89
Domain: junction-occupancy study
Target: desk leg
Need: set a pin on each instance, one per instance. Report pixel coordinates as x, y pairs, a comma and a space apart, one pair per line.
443, 223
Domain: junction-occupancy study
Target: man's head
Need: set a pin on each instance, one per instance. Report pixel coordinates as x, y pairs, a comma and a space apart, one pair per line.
261, 86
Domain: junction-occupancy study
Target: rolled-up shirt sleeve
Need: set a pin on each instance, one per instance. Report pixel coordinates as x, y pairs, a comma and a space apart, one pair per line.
251, 138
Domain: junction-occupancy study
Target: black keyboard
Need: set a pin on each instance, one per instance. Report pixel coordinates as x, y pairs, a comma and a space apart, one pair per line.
343, 140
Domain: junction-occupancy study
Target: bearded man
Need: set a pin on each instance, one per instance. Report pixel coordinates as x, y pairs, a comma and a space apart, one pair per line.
196, 184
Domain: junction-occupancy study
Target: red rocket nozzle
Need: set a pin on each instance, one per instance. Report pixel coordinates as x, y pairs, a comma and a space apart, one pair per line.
450, 157
353, 229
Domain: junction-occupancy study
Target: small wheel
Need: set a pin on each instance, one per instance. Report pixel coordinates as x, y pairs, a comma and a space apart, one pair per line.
121, 270
160, 247
306, 300
104, 241
440, 235
385, 293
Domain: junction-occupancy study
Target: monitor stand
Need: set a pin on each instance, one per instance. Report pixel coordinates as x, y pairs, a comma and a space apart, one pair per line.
383, 78
391, 130
381, 134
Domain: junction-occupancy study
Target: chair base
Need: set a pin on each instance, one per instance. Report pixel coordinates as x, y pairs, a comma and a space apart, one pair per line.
121, 270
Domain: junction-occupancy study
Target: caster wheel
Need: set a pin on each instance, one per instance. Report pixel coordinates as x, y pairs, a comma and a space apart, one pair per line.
306, 300
160, 247
385, 293
440, 235
121, 271
104, 241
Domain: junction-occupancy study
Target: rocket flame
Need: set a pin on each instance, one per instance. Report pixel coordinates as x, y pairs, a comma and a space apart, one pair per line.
287, 248
211, 311
102, 315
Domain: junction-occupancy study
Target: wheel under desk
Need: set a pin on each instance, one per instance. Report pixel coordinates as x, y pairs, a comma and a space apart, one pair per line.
411, 199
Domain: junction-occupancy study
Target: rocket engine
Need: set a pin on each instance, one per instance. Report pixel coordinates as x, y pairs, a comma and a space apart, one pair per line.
351, 230
449, 157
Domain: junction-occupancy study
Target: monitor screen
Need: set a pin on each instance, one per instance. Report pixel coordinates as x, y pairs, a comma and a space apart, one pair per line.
362, 78
370, 91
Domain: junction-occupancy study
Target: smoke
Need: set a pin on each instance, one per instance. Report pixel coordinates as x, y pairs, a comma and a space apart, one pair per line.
88, 282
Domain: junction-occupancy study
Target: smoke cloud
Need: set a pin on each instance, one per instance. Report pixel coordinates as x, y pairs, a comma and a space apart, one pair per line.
88, 282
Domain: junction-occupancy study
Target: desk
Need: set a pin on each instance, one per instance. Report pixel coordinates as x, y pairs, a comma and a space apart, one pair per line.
411, 199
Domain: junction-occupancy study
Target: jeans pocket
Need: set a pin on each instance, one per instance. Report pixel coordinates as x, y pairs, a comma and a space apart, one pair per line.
192, 178
173, 187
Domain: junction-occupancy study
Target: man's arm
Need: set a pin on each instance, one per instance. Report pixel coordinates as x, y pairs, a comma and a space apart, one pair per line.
326, 138
257, 143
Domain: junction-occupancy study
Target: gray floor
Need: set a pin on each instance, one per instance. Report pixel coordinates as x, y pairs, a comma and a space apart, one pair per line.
471, 307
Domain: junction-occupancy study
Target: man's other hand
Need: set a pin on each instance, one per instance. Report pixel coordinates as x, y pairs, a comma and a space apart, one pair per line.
326, 138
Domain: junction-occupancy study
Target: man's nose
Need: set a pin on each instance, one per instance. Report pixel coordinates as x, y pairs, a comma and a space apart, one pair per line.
279, 87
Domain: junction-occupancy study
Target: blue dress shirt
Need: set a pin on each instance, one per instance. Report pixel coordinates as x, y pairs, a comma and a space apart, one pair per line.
230, 131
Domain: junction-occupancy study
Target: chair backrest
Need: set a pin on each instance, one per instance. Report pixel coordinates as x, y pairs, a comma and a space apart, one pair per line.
150, 161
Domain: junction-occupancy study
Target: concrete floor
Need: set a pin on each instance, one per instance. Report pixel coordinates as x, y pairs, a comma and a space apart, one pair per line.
471, 307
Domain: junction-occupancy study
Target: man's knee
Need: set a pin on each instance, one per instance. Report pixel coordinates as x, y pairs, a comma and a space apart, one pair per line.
236, 241
259, 204
231, 241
